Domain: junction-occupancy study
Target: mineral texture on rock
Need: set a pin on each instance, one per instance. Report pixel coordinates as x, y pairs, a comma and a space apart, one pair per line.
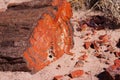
34, 34
16, 27
51, 38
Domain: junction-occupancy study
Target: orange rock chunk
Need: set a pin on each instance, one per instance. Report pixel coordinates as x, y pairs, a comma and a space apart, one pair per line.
115, 65
117, 62
104, 38
76, 73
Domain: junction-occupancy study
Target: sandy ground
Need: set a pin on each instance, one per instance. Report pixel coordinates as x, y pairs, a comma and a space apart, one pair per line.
92, 65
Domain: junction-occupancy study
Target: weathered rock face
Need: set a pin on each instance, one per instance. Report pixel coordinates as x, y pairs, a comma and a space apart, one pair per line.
16, 26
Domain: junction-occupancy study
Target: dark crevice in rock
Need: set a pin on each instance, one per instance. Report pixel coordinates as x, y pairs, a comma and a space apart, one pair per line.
12, 64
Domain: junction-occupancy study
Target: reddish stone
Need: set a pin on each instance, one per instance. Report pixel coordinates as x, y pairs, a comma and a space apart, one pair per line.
114, 70
115, 65
97, 54
87, 45
104, 38
117, 54
117, 62
76, 73
83, 57
96, 46
58, 77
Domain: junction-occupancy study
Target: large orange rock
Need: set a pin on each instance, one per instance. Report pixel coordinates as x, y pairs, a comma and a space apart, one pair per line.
52, 37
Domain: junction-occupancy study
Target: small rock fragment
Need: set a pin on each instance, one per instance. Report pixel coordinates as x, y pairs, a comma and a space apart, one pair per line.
96, 46
97, 54
79, 64
87, 45
114, 71
104, 38
58, 77
76, 73
117, 62
83, 57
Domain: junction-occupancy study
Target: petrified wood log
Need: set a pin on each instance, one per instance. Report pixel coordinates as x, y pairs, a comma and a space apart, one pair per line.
16, 26
51, 38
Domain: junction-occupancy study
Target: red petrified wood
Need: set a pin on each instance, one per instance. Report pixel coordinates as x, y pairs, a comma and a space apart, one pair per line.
52, 37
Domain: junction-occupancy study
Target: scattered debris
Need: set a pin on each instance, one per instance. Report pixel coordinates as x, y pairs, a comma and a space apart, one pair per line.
95, 46
114, 70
